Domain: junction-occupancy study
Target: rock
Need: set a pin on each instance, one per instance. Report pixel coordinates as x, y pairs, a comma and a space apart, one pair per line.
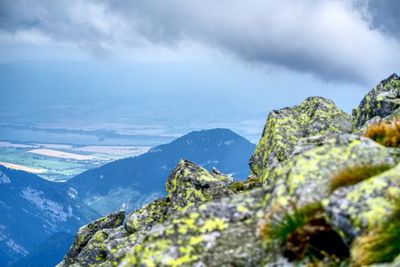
219, 233
363, 206
190, 185
306, 177
207, 219
148, 216
284, 127
380, 102
87, 232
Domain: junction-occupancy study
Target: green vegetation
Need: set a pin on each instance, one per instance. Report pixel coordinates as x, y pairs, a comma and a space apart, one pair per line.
243, 186
306, 233
385, 133
379, 245
356, 174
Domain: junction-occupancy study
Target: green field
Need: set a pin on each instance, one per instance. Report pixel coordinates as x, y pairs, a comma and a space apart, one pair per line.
58, 168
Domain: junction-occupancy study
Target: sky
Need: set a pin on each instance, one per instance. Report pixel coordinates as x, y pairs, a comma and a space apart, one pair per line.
194, 64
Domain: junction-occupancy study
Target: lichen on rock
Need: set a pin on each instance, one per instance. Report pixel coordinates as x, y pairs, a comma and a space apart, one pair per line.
92, 230
208, 219
207, 236
361, 207
285, 127
380, 102
306, 177
190, 185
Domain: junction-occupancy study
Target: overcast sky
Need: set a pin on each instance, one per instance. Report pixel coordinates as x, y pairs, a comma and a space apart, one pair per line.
337, 48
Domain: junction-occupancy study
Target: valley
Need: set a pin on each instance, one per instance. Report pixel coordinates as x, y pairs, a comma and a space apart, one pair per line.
60, 162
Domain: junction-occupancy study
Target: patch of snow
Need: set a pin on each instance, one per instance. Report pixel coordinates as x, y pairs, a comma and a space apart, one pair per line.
54, 209
72, 193
4, 179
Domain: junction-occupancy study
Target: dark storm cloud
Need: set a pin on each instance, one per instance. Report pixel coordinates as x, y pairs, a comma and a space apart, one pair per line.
333, 40
384, 15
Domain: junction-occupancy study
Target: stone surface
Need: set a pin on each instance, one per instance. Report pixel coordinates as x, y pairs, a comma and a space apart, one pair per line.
306, 177
93, 231
363, 206
284, 127
380, 102
208, 236
189, 185
207, 219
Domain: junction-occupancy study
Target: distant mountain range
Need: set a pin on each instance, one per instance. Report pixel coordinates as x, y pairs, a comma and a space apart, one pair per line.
38, 216
129, 183
32, 209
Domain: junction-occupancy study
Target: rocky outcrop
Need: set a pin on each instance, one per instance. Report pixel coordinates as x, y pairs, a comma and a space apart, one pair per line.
380, 102
306, 177
315, 190
363, 206
315, 116
95, 231
105, 241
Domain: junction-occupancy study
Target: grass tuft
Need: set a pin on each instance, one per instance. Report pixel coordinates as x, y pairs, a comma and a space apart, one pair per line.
385, 133
242, 186
381, 245
356, 174
305, 233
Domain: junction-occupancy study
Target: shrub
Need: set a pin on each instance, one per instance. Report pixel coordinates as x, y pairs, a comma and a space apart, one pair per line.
385, 133
380, 245
356, 174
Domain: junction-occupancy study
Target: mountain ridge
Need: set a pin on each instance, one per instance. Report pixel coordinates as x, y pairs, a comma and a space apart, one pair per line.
132, 182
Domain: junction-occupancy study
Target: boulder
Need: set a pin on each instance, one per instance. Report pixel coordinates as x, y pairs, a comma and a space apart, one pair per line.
380, 102
313, 117
306, 177
364, 206
190, 185
93, 230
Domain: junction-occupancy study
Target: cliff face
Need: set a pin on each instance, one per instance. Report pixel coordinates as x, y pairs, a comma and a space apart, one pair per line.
321, 193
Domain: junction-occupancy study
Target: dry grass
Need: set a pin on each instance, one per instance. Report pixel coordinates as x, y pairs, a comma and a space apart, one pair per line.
385, 133
305, 233
242, 186
356, 174
380, 245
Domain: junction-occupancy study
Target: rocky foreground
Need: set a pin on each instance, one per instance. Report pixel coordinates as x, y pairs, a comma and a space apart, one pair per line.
324, 191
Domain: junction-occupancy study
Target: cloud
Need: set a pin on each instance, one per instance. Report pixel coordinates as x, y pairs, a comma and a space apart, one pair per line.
333, 40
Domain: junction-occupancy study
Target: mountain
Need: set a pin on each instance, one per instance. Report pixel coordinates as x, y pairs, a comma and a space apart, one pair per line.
49, 252
324, 190
32, 209
131, 182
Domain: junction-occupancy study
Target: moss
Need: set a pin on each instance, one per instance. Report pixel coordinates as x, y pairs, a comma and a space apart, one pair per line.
353, 175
